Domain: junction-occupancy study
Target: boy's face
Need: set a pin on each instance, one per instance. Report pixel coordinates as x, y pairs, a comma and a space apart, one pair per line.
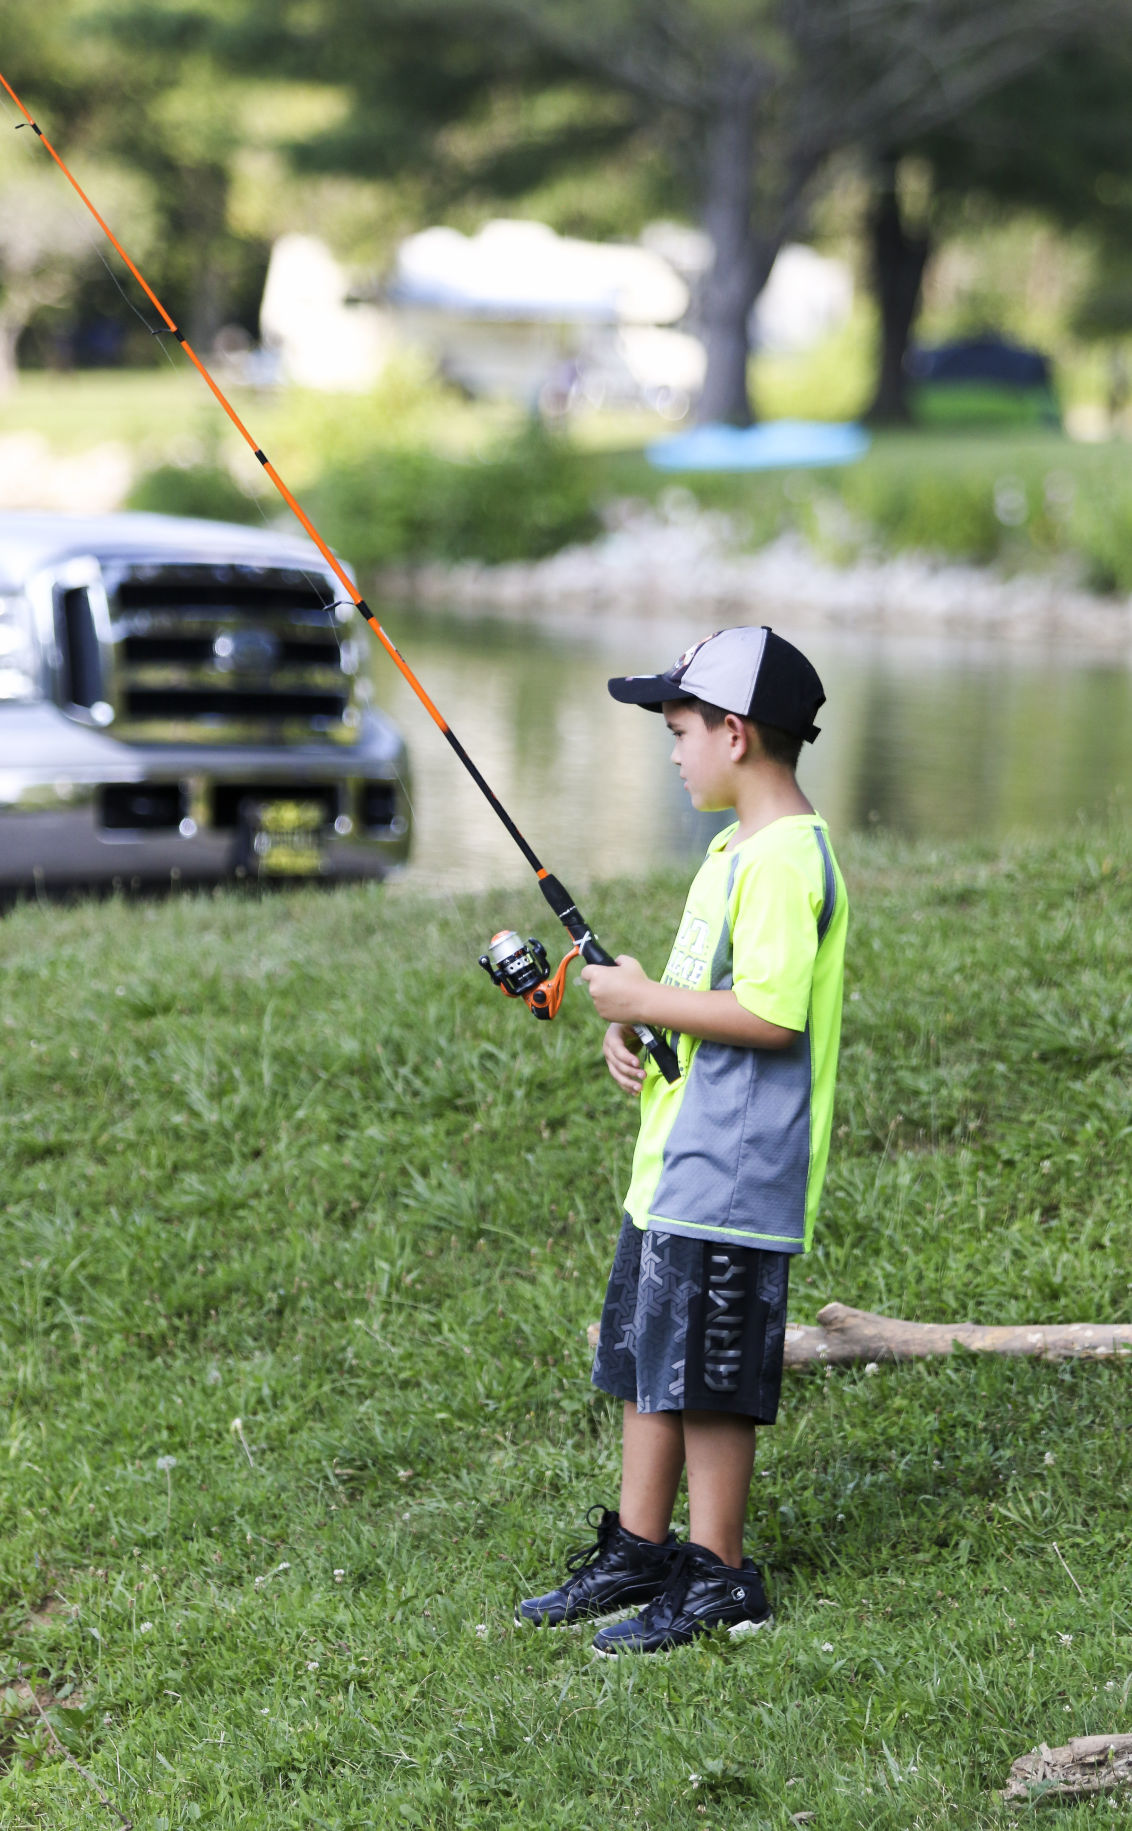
705, 756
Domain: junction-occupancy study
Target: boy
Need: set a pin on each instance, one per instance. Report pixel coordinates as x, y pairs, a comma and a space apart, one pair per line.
729, 1160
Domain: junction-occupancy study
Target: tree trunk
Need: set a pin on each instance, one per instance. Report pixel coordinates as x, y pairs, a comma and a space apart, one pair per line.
739, 270
10, 329
898, 262
206, 216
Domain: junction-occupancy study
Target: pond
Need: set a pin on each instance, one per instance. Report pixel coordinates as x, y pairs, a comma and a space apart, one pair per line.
927, 739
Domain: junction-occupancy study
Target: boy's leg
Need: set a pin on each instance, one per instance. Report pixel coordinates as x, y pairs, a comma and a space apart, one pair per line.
628, 1564
652, 1458
719, 1448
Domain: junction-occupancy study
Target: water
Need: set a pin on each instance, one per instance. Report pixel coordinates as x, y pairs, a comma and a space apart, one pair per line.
924, 739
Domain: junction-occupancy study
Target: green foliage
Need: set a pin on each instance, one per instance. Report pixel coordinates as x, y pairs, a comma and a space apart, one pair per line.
525, 501
322, 1184
945, 510
383, 471
1101, 530
207, 490
1021, 499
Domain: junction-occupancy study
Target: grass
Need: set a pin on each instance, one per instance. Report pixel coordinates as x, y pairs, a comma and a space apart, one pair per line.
289, 1162
74, 411
167, 412
1026, 498
377, 472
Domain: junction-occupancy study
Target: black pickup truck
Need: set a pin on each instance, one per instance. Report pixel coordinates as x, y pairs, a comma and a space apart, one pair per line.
186, 700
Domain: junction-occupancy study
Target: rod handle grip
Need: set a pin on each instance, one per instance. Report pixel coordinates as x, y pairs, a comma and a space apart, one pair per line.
662, 1052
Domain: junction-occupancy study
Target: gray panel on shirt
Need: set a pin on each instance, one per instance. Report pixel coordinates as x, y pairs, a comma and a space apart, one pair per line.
738, 1154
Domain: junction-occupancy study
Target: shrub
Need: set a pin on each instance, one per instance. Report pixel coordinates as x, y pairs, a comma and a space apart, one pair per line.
1100, 529
206, 490
942, 511
525, 502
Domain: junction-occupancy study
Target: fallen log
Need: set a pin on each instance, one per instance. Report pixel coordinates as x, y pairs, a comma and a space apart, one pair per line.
1086, 1765
844, 1337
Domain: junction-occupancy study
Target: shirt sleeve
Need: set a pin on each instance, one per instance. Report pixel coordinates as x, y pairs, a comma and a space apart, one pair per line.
774, 940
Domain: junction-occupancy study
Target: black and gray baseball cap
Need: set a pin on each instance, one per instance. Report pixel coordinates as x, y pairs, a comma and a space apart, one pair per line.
750, 671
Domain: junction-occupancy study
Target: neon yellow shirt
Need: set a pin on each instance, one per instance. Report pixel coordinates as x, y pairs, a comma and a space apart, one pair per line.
736, 1150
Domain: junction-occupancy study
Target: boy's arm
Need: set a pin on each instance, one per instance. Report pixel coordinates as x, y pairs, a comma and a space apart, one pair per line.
623, 994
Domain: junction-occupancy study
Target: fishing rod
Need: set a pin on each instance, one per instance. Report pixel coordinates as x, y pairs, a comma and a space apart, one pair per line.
520, 970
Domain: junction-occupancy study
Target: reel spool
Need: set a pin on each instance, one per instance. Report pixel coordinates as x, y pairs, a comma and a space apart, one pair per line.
521, 969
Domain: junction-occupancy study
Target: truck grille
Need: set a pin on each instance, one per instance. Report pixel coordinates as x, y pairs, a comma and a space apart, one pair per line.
227, 653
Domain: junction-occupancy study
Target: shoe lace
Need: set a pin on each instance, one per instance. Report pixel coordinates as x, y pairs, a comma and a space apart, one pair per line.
582, 1556
670, 1600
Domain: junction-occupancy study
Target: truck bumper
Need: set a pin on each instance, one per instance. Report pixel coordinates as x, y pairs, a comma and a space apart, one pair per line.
79, 808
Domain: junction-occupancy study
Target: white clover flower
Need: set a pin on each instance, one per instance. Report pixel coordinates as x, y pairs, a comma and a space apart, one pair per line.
338, 1575
481, 1630
312, 1665
145, 1627
827, 1646
237, 1429
1066, 1639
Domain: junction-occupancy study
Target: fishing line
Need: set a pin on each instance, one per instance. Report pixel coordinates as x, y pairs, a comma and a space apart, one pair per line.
510, 966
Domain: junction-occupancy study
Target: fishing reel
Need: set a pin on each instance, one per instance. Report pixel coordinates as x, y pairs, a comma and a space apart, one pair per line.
521, 969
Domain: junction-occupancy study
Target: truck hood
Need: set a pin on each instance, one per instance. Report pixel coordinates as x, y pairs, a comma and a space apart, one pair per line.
30, 541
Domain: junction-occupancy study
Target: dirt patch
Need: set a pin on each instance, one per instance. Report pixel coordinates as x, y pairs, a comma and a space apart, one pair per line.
48, 1611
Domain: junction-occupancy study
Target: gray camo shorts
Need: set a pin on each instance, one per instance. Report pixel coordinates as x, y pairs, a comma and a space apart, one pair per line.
689, 1325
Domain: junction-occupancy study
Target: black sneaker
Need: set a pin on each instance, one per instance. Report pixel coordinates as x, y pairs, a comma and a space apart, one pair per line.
700, 1594
619, 1571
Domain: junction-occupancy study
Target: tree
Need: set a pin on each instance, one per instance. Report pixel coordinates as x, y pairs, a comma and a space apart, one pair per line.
46, 243
751, 97
140, 96
1057, 139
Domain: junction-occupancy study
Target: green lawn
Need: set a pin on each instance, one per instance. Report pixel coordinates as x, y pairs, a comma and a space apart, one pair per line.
74, 411
291, 1163
375, 471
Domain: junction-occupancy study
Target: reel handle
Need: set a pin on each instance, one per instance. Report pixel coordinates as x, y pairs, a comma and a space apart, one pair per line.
662, 1052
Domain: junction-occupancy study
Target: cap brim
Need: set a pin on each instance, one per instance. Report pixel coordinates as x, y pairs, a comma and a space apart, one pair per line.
647, 690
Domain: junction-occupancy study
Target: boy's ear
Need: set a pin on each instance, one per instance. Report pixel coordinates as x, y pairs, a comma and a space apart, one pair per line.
741, 736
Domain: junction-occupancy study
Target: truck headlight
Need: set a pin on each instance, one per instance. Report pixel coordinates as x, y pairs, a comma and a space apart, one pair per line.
17, 651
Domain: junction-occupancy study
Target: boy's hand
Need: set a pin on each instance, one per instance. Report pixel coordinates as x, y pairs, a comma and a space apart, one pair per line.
620, 1049
616, 990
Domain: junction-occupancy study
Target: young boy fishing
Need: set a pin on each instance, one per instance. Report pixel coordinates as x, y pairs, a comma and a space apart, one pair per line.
729, 1160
